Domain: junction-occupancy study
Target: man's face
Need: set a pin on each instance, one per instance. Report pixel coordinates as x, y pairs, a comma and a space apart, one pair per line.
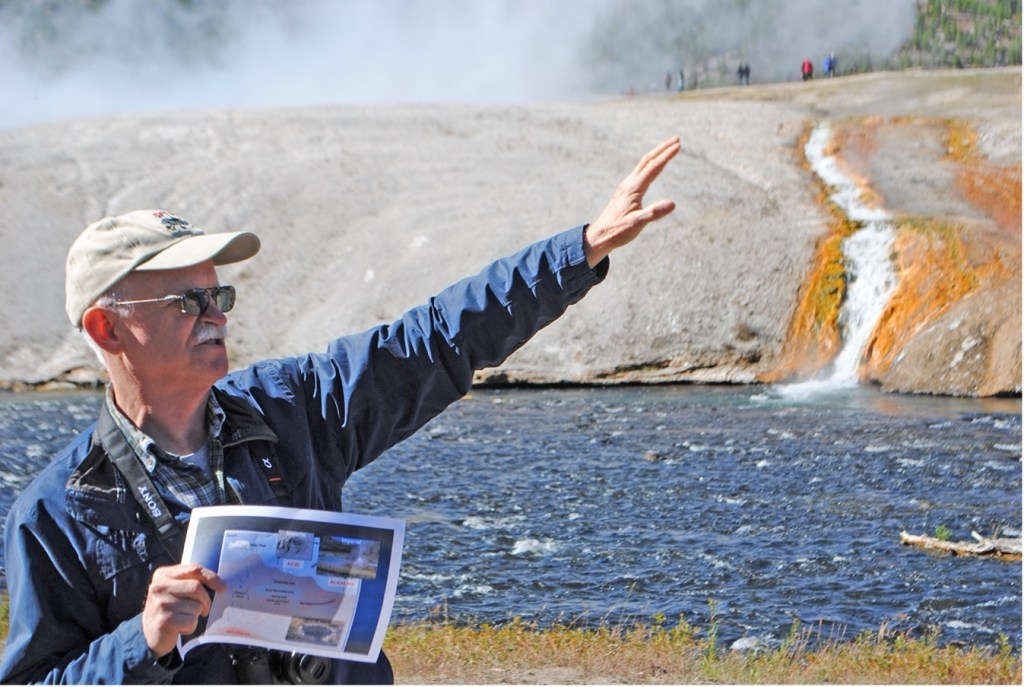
165, 347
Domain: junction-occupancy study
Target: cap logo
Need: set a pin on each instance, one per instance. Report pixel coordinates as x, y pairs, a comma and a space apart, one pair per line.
175, 226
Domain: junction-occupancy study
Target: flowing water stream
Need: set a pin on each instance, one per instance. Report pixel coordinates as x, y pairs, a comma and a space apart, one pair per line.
616, 504
870, 277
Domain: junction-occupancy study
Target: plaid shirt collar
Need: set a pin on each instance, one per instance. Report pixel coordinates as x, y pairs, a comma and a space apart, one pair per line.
175, 478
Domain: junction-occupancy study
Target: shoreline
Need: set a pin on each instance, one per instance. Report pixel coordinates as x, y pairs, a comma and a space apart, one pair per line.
1011, 401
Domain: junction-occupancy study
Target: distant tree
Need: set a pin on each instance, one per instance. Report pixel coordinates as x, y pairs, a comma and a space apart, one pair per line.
955, 33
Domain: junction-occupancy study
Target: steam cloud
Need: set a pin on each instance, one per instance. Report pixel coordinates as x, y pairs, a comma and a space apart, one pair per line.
65, 60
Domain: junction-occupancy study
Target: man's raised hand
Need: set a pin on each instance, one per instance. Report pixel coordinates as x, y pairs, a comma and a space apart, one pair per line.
625, 216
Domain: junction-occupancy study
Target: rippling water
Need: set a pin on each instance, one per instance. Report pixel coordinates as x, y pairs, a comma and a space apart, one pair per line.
610, 505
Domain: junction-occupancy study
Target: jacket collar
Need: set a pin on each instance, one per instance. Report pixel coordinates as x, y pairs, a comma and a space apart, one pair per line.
241, 422
95, 484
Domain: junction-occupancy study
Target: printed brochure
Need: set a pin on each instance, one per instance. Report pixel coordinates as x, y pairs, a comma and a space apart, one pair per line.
313, 582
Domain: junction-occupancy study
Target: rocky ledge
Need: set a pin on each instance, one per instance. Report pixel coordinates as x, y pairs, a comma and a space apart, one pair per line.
366, 211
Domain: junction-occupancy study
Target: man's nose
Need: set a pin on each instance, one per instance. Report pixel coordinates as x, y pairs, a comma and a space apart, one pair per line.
214, 315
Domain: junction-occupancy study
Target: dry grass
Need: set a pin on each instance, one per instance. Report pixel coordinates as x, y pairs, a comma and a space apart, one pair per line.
521, 653
438, 653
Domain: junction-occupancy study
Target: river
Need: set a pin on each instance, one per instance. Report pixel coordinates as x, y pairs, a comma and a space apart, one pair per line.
609, 505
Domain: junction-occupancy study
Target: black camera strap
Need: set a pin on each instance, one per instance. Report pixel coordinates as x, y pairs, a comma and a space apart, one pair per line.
146, 495
121, 454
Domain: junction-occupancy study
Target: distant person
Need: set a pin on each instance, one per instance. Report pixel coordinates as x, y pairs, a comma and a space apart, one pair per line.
831, 65
682, 80
744, 74
668, 81
807, 69
97, 590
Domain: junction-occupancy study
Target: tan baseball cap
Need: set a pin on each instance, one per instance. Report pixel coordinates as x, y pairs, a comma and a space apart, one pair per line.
139, 241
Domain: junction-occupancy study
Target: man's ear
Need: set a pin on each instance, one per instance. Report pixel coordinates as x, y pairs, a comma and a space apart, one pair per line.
99, 324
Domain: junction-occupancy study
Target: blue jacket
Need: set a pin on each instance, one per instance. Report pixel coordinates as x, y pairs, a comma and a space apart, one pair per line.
80, 552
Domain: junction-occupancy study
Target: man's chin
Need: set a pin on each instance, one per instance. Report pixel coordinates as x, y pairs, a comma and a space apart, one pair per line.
214, 359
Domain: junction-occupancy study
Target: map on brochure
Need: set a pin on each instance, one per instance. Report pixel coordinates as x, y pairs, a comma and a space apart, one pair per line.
313, 582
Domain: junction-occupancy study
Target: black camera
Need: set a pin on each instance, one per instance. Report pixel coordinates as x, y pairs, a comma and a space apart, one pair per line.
256, 666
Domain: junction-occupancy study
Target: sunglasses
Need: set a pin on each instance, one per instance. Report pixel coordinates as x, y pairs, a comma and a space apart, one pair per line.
196, 301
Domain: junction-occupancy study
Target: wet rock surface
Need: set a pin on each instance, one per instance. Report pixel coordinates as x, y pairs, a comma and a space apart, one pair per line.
367, 211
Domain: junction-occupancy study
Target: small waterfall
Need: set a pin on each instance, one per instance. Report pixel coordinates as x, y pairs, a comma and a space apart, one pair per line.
870, 278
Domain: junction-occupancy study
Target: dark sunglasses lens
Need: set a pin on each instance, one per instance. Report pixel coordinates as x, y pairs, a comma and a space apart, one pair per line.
225, 296
195, 302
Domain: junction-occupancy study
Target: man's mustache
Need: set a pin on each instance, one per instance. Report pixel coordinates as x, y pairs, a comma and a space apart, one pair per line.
210, 332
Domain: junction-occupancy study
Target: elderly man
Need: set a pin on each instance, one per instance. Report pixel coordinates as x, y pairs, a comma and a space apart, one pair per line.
93, 546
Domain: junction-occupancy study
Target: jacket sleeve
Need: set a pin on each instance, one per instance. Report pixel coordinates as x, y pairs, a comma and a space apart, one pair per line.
57, 633
371, 390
